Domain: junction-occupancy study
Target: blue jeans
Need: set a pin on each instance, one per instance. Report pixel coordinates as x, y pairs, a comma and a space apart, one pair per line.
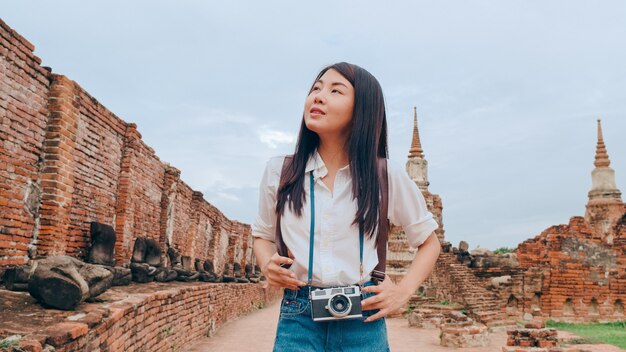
297, 331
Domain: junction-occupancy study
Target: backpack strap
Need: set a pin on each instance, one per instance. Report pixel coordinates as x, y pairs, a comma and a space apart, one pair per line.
378, 274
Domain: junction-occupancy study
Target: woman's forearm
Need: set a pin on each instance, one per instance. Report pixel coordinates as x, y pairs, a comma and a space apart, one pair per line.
423, 263
263, 251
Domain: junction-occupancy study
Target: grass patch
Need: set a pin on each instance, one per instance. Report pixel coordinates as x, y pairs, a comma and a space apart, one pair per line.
611, 333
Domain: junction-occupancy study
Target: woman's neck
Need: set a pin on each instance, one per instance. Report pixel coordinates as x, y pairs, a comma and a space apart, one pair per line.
333, 153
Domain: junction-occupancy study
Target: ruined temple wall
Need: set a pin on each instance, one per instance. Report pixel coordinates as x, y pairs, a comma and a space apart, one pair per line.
202, 229
91, 159
24, 86
140, 189
218, 244
582, 277
180, 213
441, 284
66, 160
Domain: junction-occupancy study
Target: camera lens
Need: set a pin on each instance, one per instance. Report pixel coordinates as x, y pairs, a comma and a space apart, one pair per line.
339, 305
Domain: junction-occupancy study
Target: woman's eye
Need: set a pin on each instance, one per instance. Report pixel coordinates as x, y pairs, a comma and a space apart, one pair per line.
336, 91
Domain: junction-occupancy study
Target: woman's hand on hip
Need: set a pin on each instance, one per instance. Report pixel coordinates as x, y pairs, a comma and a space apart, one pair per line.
389, 298
278, 276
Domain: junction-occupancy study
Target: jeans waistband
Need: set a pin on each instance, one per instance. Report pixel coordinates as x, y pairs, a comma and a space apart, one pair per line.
304, 290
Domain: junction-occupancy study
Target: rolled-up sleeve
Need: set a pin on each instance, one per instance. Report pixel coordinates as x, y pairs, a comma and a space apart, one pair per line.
407, 207
265, 222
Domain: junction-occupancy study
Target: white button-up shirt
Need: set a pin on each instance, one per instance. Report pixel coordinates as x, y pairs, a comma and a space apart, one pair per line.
336, 240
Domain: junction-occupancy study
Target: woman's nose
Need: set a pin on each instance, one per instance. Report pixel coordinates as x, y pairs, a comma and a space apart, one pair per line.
318, 98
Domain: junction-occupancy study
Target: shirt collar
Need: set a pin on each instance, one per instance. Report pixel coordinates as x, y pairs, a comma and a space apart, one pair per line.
316, 164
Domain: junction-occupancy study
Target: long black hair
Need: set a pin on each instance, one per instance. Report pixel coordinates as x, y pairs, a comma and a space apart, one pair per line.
366, 143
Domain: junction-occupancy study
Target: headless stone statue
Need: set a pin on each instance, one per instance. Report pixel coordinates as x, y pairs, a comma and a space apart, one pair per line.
204, 275
153, 258
209, 268
102, 250
239, 278
176, 262
227, 276
141, 270
257, 269
64, 282
251, 275
16, 278
146, 262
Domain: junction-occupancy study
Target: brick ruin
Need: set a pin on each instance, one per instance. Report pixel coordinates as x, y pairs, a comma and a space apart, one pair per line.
572, 273
65, 161
577, 272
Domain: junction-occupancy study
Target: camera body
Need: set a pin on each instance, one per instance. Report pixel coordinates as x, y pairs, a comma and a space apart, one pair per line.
336, 303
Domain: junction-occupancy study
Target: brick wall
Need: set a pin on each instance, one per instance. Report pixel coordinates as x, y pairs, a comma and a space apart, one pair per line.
580, 276
147, 317
66, 160
24, 87
139, 193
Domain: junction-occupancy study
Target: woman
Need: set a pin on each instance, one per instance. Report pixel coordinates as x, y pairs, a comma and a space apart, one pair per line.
342, 136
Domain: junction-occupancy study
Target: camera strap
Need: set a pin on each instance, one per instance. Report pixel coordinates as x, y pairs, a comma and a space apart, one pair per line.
378, 274
311, 239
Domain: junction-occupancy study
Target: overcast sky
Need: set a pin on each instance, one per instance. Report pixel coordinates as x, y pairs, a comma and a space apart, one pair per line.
507, 92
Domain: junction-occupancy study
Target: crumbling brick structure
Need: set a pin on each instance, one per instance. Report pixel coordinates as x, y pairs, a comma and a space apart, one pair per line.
573, 272
65, 161
578, 271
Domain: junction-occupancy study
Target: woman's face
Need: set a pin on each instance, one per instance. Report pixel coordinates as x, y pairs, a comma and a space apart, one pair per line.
328, 107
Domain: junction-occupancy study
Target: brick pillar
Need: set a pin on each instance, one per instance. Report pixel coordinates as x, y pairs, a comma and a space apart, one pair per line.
57, 178
197, 201
216, 232
124, 236
219, 246
247, 247
170, 183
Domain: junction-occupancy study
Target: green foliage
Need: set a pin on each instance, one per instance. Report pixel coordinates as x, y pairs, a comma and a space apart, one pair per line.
445, 303
12, 346
167, 331
503, 250
611, 333
9, 345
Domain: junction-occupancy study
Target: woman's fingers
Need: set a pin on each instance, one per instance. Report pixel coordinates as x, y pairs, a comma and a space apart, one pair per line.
281, 277
371, 302
277, 259
381, 314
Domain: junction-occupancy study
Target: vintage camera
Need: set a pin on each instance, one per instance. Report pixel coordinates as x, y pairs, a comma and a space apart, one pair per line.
336, 303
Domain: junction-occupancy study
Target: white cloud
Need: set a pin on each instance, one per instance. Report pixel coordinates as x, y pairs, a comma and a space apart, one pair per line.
273, 138
227, 196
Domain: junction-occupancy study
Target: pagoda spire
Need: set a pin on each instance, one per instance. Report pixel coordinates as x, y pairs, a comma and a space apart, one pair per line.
416, 146
605, 206
602, 156
416, 165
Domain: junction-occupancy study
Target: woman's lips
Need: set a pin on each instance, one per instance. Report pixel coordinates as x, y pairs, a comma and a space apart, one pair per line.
316, 111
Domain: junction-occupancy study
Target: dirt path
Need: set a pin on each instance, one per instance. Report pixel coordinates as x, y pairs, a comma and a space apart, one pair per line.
255, 333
